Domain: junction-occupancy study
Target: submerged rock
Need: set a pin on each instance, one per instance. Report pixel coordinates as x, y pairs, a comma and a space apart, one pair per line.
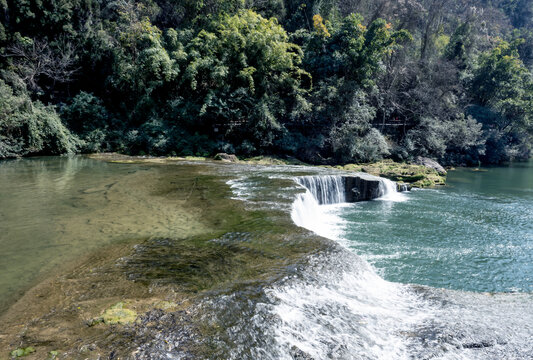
116, 314
20, 352
430, 163
478, 345
298, 354
226, 157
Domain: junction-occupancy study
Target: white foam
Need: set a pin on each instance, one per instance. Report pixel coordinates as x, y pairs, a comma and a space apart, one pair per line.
320, 219
342, 314
389, 191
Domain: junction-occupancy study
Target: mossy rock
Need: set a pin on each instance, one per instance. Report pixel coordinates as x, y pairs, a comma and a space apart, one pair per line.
416, 175
165, 305
52, 355
411, 178
20, 352
226, 157
116, 314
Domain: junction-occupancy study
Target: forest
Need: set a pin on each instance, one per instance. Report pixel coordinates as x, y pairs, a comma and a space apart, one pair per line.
325, 81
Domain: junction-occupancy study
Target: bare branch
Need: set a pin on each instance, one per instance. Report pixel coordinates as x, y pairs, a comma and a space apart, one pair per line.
34, 61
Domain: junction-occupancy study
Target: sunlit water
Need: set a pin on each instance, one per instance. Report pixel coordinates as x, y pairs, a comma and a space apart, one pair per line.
56, 209
475, 234
345, 310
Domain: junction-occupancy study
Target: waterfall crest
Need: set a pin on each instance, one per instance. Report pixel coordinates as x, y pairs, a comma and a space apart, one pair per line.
336, 189
313, 209
327, 189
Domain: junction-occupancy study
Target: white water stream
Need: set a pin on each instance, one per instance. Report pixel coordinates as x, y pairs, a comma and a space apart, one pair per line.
351, 314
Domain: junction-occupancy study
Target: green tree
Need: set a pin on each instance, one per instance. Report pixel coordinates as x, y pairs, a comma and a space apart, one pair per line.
502, 83
28, 127
240, 73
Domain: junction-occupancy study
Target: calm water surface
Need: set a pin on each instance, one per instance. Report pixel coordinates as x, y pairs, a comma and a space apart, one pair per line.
56, 209
475, 234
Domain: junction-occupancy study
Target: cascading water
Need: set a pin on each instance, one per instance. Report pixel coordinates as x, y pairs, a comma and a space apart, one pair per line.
307, 211
337, 307
342, 311
389, 191
349, 312
326, 189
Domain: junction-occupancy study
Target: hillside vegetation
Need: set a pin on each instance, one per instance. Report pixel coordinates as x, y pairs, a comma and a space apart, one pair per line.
325, 81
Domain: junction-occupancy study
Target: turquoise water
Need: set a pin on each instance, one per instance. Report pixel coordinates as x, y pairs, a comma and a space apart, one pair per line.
475, 234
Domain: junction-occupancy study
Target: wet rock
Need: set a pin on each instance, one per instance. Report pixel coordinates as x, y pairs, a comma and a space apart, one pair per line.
299, 354
160, 334
87, 348
478, 345
361, 187
226, 157
430, 163
402, 187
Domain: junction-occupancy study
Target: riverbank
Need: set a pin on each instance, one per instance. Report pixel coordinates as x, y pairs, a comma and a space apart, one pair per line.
414, 175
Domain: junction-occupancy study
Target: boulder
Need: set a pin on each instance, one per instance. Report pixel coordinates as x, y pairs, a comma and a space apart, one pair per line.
402, 187
430, 163
361, 187
226, 157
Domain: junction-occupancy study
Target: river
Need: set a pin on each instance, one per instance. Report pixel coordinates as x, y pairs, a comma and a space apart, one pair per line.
429, 274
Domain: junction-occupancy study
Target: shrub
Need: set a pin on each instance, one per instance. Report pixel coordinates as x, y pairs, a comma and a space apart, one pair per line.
86, 116
30, 128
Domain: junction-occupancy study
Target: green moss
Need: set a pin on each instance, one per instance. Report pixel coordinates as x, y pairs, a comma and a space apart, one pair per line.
411, 178
116, 314
415, 175
20, 352
194, 158
166, 305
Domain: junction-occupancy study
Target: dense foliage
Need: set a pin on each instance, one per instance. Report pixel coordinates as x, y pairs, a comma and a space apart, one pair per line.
327, 81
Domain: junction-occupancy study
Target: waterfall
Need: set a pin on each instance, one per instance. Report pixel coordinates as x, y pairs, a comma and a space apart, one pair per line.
308, 210
388, 190
332, 189
344, 309
327, 189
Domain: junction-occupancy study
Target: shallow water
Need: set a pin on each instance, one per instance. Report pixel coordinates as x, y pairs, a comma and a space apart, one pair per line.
475, 234
55, 209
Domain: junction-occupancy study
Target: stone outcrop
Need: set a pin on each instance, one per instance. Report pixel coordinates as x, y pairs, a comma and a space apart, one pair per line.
364, 187
403, 187
361, 187
226, 157
432, 164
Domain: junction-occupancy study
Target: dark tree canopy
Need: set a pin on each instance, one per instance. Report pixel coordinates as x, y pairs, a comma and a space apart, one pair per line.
330, 81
